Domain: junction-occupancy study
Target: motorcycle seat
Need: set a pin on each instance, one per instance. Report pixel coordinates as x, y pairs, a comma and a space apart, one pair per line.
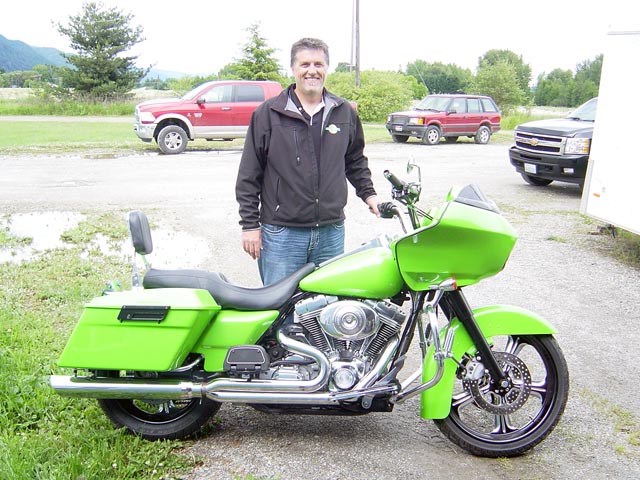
226, 294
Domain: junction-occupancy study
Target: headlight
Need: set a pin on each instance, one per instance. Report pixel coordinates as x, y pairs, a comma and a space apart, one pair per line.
577, 146
147, 117
416, 121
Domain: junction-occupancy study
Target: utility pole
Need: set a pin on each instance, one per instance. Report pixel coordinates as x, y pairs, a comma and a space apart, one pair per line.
357, 40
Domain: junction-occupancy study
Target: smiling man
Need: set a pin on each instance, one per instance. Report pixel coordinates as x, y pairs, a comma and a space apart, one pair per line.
291, 188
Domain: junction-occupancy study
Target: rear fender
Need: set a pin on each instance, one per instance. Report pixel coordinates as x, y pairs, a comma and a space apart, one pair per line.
493, 320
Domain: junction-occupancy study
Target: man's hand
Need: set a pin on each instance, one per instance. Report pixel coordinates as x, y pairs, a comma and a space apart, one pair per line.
373, 202
252, 242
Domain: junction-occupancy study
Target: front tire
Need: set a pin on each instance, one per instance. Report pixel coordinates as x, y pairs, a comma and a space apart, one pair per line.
507, 424
535, 181
431, 135
172, 139
399, 138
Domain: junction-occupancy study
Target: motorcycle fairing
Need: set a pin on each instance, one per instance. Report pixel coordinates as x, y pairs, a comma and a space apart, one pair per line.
147, 330
492, 320
464, 242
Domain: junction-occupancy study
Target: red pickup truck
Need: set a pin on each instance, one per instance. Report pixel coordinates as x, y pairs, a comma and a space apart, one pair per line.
218, 110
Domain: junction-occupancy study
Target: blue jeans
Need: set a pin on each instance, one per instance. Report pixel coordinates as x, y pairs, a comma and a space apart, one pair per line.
287, 249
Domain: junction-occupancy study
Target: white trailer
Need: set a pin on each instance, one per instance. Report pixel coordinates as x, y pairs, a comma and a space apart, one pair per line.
612, 186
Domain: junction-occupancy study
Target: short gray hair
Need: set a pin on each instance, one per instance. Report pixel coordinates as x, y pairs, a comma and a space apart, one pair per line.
309, 44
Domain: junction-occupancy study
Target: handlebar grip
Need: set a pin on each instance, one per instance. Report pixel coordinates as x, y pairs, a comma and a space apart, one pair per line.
395, 181
387, 209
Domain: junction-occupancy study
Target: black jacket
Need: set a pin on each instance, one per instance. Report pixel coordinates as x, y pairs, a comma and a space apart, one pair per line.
279, 179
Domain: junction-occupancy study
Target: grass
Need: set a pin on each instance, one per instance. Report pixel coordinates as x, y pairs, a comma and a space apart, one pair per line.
43, 435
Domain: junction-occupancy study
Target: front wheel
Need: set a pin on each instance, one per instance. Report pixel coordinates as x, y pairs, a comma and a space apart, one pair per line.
490, 421
431, 135
172, 139
399, 138
535, 181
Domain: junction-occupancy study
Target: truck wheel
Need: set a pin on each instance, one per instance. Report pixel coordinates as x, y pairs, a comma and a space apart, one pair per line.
400, 138
536, 181
483, 135
431, 136
172, 139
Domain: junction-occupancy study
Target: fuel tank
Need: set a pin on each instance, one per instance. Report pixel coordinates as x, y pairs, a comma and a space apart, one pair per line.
364, 273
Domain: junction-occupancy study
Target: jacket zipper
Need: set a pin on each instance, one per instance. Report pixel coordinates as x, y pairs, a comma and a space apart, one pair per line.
295, 140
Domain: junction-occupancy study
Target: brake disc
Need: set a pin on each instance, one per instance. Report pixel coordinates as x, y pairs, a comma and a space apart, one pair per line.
502, 400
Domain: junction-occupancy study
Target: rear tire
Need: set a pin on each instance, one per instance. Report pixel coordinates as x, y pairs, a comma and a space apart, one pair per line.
534, 403
160, 419
483, 135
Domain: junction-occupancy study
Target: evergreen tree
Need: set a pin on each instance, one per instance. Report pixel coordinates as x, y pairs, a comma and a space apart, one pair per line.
100, 36
257, 62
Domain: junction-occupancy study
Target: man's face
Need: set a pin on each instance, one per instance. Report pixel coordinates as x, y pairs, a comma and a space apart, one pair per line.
310, 70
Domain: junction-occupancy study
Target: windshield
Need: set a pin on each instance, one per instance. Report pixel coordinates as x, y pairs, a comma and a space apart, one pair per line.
586, 111
472, 195
433, 102
195, 92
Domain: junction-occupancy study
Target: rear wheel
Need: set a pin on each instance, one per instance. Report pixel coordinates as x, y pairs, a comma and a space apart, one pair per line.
158, 419
503, 422
536, 181
483, 135
172, 139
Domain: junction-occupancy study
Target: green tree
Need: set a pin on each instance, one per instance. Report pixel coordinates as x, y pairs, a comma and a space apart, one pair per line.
521, 70
587, 80
100, 36
555, 89
500, 82
440, 78
257, 62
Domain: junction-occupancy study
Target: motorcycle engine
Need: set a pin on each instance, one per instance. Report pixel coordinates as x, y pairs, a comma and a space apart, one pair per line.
351, 334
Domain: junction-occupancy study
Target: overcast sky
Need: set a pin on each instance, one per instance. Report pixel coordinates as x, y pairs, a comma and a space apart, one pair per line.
201, 36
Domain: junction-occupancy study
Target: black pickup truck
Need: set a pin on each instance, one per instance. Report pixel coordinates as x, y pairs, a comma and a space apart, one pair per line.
555, 149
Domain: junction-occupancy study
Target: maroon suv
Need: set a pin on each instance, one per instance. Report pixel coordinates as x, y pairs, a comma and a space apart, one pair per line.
446, 116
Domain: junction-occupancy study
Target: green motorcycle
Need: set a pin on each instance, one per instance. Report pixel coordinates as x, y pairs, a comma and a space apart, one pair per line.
162, 357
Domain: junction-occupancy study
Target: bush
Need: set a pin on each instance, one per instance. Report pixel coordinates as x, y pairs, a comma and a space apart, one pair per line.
379, 94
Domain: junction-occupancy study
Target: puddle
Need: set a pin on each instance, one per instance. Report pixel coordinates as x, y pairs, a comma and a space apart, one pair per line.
43, 228
171, 249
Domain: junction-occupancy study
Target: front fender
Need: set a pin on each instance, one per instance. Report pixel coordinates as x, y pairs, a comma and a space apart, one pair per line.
493, 320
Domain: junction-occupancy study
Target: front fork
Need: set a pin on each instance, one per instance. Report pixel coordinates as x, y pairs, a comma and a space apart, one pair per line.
455, 305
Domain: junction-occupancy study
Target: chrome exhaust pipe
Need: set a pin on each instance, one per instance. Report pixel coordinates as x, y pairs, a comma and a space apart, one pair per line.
217, 389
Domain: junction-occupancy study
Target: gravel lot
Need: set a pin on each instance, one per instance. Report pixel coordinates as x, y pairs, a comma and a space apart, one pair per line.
560, 268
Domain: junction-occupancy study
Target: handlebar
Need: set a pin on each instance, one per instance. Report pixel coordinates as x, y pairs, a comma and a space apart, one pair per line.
395, 181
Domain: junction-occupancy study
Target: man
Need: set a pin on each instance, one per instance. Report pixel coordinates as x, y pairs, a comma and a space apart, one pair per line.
300, 149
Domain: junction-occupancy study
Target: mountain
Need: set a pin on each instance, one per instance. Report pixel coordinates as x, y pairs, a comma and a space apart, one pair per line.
17, 55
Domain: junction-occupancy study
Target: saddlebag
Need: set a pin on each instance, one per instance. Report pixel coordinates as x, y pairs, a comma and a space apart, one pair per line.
151, 330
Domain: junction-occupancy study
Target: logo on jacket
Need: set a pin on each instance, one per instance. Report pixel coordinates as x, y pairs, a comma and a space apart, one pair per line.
332, 129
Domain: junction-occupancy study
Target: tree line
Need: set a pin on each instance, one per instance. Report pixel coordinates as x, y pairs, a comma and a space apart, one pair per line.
100, 71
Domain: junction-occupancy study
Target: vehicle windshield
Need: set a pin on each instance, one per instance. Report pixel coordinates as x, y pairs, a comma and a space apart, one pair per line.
433, 102
585, 112
194, 93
